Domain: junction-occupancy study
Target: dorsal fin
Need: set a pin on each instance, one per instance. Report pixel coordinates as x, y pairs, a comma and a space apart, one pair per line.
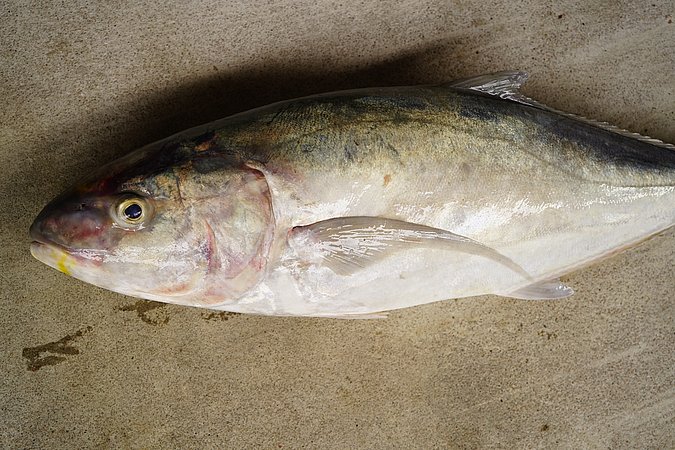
501, 84
506, 85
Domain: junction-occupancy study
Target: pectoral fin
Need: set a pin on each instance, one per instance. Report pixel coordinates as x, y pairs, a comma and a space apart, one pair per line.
543, 290
349, 244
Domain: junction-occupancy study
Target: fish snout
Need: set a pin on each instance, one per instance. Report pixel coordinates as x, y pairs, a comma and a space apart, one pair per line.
72, 227
43, 227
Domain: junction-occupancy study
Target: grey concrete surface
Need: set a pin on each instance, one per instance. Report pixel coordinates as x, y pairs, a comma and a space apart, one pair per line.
83, 82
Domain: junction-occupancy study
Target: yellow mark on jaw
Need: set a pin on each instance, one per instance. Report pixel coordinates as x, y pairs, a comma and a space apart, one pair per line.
61, 264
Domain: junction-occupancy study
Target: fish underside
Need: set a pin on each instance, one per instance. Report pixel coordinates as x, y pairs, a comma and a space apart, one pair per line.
352, 203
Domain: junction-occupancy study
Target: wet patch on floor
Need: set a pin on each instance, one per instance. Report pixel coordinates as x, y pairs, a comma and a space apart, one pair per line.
221, 315
53, 353
548, 334
152, 313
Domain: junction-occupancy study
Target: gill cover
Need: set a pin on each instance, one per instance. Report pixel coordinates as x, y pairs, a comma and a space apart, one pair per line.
235, 208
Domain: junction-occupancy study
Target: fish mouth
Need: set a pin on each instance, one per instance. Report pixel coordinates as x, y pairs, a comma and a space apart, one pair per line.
47, 251
61, 258
54, 256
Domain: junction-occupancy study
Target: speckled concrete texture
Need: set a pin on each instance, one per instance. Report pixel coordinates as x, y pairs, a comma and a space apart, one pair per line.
83, 82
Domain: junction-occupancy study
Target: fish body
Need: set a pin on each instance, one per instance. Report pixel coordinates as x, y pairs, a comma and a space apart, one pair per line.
357, 202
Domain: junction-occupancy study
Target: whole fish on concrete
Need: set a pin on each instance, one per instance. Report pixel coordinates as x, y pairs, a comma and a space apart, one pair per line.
352, 203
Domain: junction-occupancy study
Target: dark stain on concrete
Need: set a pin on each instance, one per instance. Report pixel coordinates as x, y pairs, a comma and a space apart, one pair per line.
52, 351
149, 312
548, 334
221, 315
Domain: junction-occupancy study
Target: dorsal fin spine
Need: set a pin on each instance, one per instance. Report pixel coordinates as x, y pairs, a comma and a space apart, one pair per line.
506, 85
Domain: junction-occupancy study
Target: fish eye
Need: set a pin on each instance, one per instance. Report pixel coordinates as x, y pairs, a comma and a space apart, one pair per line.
131, 212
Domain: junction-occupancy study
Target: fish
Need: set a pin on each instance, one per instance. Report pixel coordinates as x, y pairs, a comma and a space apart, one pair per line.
350, 204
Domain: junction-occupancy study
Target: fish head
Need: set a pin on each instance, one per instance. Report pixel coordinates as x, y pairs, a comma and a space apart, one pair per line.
165, 226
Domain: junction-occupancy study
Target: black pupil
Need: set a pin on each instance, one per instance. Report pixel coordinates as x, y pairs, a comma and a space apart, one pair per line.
133, 211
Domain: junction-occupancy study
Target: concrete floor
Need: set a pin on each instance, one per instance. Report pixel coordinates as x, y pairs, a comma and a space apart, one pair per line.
81, 367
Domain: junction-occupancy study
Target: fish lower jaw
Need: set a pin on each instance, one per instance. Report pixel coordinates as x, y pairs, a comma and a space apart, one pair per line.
87, 267
54, 256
